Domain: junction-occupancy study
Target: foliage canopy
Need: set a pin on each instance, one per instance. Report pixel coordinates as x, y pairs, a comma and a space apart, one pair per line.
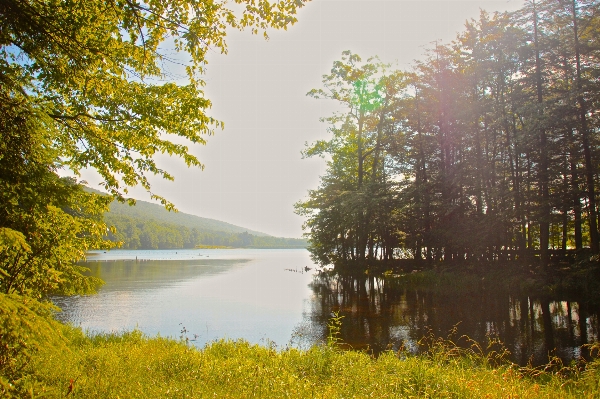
90, 84
98, 74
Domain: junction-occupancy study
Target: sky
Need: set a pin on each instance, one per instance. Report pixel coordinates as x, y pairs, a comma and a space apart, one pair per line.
254, 171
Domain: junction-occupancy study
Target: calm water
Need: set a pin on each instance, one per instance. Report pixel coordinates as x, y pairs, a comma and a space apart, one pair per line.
266, 296
386, 315
214, 294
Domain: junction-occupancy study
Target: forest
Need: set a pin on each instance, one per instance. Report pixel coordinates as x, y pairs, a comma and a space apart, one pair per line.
486, 149
150, 226
138, 233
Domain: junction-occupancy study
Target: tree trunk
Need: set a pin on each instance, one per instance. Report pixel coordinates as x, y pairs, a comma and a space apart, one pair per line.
544, 213
589, 170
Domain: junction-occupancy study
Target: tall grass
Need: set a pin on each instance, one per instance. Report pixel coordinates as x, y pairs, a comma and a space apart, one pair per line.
131, 365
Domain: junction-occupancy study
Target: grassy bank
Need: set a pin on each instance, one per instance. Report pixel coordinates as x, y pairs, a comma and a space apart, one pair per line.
40, 357
130, 365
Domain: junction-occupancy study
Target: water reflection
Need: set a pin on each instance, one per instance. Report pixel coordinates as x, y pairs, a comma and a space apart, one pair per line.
383, 314
263, 295
225, 294
129, 274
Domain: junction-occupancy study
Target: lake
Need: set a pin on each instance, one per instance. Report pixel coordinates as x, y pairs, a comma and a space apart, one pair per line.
267, 297
215, 293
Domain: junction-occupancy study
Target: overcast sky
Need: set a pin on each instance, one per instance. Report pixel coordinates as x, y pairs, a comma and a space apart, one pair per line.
253, 168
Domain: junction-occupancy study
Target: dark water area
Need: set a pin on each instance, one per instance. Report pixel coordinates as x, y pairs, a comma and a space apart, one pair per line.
383, 314
269, 297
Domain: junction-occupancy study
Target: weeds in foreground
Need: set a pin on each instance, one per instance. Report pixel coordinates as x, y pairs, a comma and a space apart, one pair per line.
334, 326
494, 354
131, 365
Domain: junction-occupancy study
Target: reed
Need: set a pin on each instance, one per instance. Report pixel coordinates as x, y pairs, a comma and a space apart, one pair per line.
131, 365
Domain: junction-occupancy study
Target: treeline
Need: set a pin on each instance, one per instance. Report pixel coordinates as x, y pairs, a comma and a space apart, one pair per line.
488, 146
136, 233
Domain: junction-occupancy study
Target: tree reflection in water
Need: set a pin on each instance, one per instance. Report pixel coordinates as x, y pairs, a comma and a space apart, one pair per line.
385, 313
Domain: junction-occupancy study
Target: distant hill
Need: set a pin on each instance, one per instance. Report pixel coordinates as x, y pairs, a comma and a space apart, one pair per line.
147, 210
151, 226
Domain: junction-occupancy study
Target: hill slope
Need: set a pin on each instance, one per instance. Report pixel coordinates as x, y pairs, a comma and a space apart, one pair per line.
151, 226
158, 213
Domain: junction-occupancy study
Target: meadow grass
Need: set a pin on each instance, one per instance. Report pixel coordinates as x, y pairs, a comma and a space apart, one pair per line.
131, 365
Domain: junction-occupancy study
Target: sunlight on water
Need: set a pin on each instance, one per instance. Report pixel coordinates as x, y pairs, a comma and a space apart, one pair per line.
212, 293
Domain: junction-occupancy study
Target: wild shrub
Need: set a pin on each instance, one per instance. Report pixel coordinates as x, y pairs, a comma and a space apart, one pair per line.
26, 328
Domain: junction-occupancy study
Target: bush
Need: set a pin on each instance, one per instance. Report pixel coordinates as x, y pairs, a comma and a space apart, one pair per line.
26, 328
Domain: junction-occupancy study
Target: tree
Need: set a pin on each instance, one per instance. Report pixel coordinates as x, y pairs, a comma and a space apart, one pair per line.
345, 212
46, 223
85, 84
584, 132
95, 71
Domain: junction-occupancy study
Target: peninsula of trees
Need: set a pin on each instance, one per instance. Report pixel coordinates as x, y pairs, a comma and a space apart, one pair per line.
487, 149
